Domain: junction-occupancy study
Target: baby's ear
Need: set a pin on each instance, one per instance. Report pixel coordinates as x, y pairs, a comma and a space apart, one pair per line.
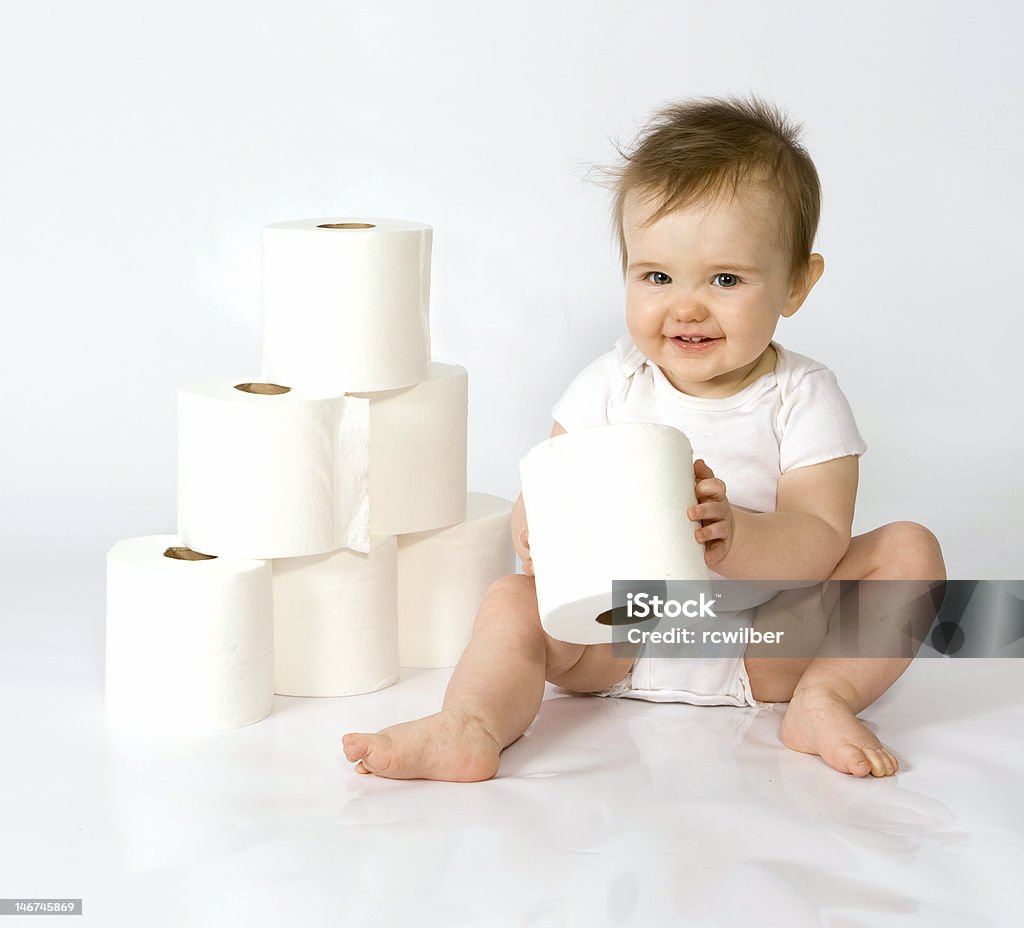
816, 267
803, 282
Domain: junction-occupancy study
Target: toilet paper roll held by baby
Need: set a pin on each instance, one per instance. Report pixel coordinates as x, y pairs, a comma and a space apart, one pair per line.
605, 504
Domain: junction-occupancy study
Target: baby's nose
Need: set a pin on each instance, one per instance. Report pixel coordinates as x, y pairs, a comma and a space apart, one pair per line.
688, 308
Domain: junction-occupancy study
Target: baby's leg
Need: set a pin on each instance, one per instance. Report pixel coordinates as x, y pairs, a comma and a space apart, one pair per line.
493, 695
828, 691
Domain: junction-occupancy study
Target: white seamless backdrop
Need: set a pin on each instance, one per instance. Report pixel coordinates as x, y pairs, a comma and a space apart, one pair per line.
146, 146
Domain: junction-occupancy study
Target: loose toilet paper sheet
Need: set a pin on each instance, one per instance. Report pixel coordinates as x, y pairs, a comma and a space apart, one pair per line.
607, 504
336, 622
352, 475
442, 578
189, 643
346, 304
271, 474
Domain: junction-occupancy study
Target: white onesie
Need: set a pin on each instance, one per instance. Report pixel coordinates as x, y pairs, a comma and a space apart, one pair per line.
794, 416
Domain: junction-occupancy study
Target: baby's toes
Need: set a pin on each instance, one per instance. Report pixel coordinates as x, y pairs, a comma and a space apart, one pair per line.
883, 764
379, 752
354, 745
852, 759
372, 751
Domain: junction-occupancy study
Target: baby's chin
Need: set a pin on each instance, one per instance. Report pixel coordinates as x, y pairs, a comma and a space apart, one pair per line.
703, 377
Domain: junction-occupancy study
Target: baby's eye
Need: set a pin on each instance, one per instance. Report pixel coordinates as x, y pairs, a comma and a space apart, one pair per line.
727, 281
659, 274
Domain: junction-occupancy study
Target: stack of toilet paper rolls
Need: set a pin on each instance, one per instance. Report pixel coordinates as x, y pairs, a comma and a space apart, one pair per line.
325, 534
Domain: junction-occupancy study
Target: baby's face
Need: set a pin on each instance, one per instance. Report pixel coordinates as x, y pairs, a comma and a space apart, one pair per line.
719, 271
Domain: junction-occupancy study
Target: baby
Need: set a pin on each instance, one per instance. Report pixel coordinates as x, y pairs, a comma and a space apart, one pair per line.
716, 209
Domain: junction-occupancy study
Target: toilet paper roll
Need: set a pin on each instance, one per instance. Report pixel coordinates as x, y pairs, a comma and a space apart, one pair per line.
418, 453
190, 643
346, 304
268, 472
442, 578
604, 504
336, 622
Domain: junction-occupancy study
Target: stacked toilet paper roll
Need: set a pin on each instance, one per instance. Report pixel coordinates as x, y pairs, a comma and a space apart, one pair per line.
190, 641
300, 486
265, 471
442, 578
336, 622
605, 504
346, 304
418, 453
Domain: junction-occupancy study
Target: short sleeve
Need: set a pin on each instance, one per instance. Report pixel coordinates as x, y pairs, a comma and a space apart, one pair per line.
584, 404
817, 423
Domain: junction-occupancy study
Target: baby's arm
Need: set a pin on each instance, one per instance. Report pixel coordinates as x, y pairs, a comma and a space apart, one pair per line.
520, 532
803, 540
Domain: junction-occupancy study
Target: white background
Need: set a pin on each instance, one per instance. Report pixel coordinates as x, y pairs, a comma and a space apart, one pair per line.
145, 146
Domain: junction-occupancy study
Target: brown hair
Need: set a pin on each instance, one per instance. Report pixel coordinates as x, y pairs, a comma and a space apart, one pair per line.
693, 150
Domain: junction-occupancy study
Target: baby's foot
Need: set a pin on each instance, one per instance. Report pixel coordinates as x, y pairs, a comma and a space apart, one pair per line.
449, 745
819, 721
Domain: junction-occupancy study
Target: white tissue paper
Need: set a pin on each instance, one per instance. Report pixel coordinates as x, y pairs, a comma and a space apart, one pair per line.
346, 304
603, 504
268, 475
336, 622
418, 453
190, 643
442, 578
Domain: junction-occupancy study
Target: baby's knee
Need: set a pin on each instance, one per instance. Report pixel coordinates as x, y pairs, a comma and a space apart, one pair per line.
915, 549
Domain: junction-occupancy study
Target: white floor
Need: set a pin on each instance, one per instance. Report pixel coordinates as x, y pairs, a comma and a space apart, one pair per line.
605, 812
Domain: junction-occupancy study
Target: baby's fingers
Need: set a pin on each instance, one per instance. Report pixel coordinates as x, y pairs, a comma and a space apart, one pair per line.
707, 512
701, 469
710, 489
711, 531
706, 484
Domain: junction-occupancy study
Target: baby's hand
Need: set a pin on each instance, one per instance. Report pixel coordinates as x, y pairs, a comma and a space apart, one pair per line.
524, 554
714, 513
